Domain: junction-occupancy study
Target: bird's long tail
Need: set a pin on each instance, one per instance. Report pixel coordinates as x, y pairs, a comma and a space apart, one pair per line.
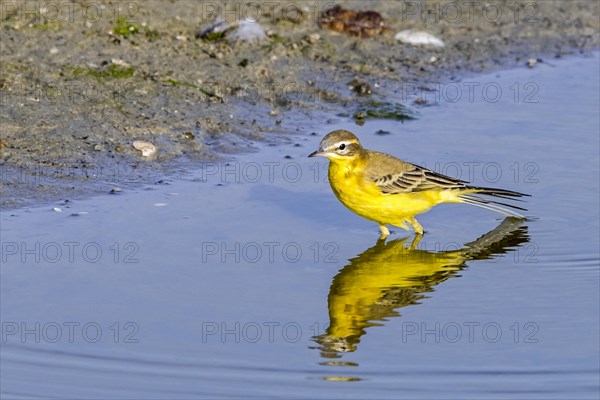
506, 209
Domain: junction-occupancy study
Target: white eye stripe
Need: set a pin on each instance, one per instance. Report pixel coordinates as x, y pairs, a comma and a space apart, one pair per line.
346, 144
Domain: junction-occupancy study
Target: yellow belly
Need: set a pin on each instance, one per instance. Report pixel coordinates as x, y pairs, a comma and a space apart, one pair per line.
366, 199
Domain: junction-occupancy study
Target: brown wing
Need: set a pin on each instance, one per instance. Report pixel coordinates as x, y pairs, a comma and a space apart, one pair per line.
394, 176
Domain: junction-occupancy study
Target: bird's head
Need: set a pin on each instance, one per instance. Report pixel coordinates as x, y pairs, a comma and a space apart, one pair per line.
339, 146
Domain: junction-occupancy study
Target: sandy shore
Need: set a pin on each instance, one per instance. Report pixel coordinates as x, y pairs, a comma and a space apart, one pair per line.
79, 82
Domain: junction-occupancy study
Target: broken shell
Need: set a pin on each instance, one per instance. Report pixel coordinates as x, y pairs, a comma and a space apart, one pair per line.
247, 31
146, 148
418, 38
215, 29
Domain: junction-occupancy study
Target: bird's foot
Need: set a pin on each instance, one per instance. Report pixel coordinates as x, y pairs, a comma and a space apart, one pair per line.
385, 232
416, 225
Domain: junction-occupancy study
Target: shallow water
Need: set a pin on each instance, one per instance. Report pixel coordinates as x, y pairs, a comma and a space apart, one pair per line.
250, 280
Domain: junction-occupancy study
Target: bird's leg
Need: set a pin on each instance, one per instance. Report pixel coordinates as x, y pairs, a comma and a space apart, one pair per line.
415, 224
385, 232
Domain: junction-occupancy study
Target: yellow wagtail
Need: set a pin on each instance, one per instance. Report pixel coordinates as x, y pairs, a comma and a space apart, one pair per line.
387, 190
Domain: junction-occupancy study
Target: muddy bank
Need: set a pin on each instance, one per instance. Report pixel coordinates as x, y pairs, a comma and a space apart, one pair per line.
79, 82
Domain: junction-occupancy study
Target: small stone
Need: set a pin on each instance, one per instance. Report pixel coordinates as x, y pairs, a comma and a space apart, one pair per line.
418, 38
147, 148
115, 190
382, 132
57, 209
360, 87
120, 63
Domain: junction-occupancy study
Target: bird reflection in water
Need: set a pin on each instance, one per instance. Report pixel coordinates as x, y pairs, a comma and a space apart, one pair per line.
392, 275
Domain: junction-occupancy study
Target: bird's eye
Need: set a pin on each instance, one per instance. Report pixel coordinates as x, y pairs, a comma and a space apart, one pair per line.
342, 146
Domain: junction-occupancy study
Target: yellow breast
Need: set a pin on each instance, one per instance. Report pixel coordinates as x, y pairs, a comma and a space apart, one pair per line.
363, 196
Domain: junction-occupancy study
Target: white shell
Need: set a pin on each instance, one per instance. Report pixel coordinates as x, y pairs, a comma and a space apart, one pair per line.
247, 31
146, 148
418, 38
531, 62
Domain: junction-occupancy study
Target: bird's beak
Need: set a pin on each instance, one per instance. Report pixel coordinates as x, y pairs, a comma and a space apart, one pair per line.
319, 152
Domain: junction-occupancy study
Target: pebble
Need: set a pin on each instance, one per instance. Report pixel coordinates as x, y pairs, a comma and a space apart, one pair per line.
362, 24
314, 37
120, 63
382, 132
418, 38
147, 148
